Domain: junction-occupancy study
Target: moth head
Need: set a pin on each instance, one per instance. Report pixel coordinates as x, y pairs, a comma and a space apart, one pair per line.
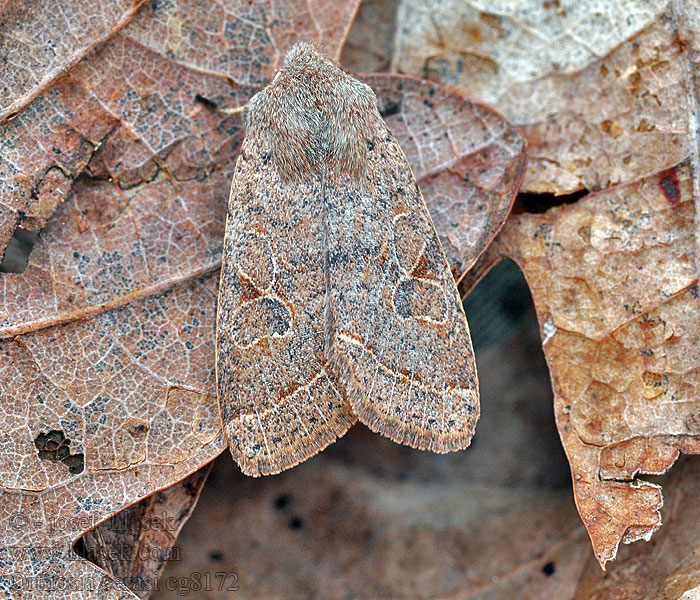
315, 117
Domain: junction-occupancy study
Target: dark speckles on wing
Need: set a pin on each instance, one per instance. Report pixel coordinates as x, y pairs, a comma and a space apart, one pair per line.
400, 341
345, 300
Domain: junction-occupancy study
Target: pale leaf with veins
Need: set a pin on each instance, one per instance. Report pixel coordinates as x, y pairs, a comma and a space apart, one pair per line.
614, 284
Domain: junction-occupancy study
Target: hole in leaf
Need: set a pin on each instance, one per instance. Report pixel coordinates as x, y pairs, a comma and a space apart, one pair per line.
206, 101
389, 108
18, 250
296, 523
548, 569
54, 446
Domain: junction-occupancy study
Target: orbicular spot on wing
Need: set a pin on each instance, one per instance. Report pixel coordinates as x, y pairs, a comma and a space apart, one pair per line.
420, 299
260, 319
409, 241
256, 262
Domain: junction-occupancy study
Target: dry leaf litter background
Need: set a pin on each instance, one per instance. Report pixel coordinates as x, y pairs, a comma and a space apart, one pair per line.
127, 176
614, 275
108, 334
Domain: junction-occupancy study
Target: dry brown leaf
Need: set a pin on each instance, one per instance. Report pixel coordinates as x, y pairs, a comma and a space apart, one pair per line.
687, 15
614, 284
108, 336
668, 567
598, 90
43, 44
133, 391
128, 107
135, 544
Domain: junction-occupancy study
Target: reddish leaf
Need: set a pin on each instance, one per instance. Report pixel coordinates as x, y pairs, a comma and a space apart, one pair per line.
669, 566
44, 44
131, 392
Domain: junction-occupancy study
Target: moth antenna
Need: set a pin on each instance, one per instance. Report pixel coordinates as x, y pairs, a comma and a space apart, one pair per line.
215, 105
234, 111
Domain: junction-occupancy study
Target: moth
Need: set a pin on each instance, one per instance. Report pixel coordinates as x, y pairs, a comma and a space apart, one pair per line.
336, 302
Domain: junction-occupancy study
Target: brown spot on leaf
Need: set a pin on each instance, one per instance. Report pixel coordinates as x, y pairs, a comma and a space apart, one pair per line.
668, 182
611, 128
474, 34
138, 429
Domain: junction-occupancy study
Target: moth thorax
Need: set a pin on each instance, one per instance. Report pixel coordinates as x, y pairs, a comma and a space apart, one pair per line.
315, 117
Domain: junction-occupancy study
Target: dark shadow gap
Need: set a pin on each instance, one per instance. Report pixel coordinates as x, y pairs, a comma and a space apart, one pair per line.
496, 305
541, 203
135, 544
18, 249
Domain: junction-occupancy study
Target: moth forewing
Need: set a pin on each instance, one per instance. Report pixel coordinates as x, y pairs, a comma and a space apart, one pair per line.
279, 402
401, 338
